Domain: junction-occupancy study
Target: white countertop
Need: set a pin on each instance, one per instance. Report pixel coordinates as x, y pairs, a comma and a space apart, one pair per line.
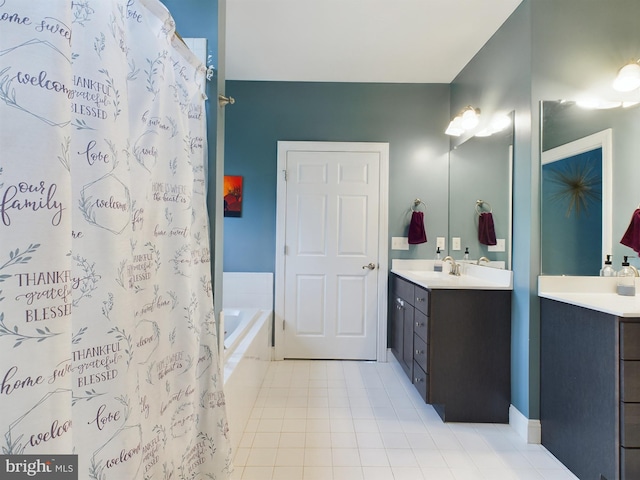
472, 277
594, 293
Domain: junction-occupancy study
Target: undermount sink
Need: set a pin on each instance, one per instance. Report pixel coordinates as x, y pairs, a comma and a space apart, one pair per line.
471, 277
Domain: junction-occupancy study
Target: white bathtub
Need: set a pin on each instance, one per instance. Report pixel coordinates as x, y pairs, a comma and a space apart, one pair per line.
247, 353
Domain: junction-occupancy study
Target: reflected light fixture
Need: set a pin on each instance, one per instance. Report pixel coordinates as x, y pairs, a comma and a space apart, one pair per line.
597, 104
467, 119
498, 123
628, 78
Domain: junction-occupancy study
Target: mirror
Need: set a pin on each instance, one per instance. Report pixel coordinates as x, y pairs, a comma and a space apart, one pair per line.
581, 217
481, 169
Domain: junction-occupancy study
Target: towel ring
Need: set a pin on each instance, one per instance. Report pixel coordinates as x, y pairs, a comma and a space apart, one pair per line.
487, 207
416, 203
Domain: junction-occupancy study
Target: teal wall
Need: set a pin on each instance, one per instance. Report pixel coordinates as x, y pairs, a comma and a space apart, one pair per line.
498, 79
197, 19
410, 117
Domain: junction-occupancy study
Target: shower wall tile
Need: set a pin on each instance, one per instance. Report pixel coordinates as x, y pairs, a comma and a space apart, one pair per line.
247, 290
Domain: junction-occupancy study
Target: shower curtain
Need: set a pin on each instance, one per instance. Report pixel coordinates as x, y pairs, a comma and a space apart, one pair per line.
107, 330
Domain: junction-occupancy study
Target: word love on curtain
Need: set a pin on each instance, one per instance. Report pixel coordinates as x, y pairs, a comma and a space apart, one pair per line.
107, 331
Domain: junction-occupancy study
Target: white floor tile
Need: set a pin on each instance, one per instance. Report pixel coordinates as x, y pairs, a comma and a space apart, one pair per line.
318, 457
266, 440
369, 440
290, 457
318, 440
261, 457
401, 457
325, 420
407, 473
344, 440
434, 473
395, 440
348, 473
317, 473
292, 440
288, 473
377, 473
345, 457
467, 474
373, 457
257, 473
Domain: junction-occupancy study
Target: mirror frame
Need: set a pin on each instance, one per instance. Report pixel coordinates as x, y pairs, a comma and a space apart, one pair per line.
603, 140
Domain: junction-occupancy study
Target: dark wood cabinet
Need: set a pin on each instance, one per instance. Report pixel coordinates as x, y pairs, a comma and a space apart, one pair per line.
590, 390
460, 348
402, 314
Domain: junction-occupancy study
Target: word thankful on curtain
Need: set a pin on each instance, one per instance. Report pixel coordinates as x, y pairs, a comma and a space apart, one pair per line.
107, 332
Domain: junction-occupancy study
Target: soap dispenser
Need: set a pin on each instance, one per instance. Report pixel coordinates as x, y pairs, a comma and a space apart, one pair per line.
437, 263
626, 284
466, 253
607, 270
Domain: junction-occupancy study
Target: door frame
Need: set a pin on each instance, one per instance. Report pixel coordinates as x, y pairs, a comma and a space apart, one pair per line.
383, 238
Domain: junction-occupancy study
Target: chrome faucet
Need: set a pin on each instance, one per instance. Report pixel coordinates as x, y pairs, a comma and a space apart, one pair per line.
482, 259
635, 270
455, 267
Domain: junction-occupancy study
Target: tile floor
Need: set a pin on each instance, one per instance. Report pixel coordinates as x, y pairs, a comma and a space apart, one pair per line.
332, 420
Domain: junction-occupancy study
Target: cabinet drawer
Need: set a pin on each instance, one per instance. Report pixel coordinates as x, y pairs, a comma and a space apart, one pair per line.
420, 381
630, 425
420, 353
630, 340
630, 381
421, 300
421, 322
630, 463
403, 289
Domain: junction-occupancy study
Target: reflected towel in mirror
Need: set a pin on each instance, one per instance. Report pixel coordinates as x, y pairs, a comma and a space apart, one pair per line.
631, 237
486, 229
417, 233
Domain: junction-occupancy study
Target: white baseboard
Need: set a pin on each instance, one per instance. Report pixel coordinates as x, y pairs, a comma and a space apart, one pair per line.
528, 429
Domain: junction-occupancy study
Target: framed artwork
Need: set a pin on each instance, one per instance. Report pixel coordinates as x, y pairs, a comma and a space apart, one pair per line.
232, 196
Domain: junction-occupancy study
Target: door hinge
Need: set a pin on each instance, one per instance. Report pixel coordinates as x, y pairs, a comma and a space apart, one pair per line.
283, 324
286, 250
284, 173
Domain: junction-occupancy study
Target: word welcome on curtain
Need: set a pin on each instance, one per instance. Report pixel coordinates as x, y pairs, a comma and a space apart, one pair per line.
107, 333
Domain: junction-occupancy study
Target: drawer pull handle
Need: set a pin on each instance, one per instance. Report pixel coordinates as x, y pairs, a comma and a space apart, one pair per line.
418, 324
419, 352
419, 299
418, 380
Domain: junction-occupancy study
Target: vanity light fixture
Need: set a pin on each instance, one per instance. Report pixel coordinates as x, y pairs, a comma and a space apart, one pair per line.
466, 120
628, 78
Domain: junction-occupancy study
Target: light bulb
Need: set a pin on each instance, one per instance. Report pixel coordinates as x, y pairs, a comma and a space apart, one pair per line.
628, 78
455, 128
470, 119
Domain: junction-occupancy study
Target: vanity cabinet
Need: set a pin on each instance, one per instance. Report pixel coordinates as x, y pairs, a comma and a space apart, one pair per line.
401, 315
590, 390
458, 341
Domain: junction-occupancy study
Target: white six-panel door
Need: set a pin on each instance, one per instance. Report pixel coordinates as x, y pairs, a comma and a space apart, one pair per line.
331, 234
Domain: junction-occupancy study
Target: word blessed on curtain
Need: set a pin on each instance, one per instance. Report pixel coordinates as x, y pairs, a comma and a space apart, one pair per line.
108, 341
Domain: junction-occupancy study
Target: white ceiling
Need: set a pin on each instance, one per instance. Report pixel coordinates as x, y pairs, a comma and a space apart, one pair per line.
390, 41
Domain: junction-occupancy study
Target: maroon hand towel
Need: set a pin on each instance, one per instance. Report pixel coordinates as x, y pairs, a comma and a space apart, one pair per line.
631, 237
416, 229
486, 229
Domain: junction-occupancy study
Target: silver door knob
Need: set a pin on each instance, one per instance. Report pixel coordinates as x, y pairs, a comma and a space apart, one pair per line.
371, 266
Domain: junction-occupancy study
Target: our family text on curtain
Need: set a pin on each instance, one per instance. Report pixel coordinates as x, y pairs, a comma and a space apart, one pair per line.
107, 332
